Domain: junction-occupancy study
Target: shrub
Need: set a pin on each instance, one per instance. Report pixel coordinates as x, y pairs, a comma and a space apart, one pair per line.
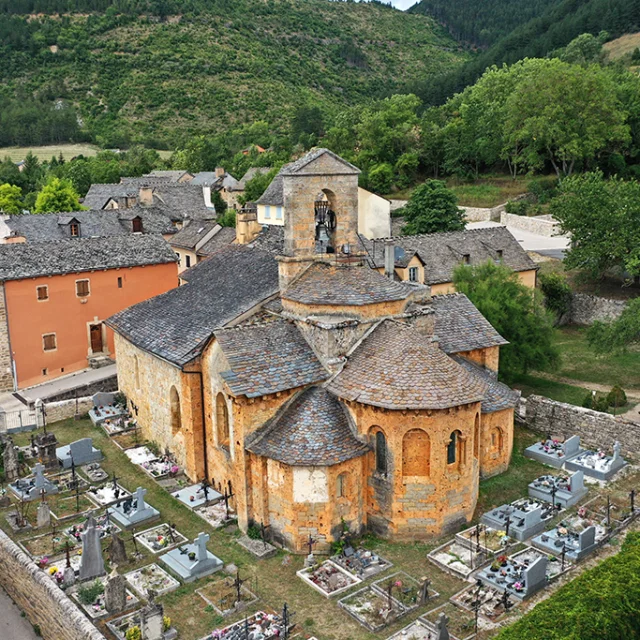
253, 532
617, 397
88, 594
587, 403
557, 293
519, 208
133, 634
544, 189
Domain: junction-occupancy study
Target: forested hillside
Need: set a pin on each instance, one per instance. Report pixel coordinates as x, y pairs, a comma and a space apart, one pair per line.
482, 23
158, 72
555, 28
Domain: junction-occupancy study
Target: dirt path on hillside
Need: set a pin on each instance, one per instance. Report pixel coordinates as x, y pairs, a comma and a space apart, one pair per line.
631, 392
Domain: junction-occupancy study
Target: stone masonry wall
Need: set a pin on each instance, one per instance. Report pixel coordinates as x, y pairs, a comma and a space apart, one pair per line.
42, 601
586, 309
6, 376
67, 409
595, 429
540, 225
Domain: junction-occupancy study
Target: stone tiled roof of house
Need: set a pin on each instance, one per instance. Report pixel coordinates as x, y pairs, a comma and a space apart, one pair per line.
177, 325
325, 284
296, 167
192, 233
459, 326
394, 368
441, 253
225, 236
250, 175
268, 358
34, 259
43, 227
274, 194
99, 194
497, 396
171, 175
271, 239
313, 429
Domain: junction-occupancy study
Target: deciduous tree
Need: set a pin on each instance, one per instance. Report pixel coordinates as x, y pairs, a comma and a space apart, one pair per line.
432, 208
56, 196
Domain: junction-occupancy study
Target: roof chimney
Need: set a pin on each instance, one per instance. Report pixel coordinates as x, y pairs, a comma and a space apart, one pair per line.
220, 172
145, 196
389, 258
247, 227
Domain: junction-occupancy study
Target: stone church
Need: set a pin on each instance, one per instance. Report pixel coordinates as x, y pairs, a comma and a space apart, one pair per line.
318, 390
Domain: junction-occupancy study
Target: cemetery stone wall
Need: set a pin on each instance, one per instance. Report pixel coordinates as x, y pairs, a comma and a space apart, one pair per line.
67, 409
42, 601
586, 309
595, 429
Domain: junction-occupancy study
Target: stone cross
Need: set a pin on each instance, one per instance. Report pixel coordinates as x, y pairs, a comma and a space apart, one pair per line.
424, 590
617, 450
442, 633
92, 564
140, 504
39, 480
115, 592
201, 544
10, 459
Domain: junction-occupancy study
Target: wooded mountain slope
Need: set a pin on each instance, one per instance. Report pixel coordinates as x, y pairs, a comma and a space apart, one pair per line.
161, 77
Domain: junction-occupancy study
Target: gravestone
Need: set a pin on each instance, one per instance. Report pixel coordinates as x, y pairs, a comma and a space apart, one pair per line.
553, 452
79, 452
115, 593
117, 550
92, 564
535, 575
192, 561
69, 577
576, 545
596, 464
10, 460
442, 633
103, 399
30, 489
44, 515
46, 444
134, 510
561, 491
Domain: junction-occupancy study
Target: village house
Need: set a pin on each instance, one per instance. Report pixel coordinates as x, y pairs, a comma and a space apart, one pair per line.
222, 182
198, 240
316, 389
432, 258
57, 294
374, 212
171, 175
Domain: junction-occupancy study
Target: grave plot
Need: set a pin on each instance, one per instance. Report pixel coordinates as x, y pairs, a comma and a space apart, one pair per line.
193, 560
128, 440
405, 589
32, 488
216, 514
67, 482
373, 609
223, 596
160, 538
458, 559
62, 508
579, 521
417, 630
261, 549
140, 455
110, 412
361, 562
151, 577
161, 467
597, 464
107, 494
562, 490
193, 496
54, 567
264, 626
460, 623
95, 473
328, 578
492, 539
90, 597
114, 426
121, 625
618, 511
521, 519
489, 599
554, 452
561, 539
520, 576
46, 544
527, 557
104, 525
134, 510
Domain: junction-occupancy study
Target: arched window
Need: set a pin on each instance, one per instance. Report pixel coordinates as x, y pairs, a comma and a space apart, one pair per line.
325, 221
341, 485
496, 439
381, 453
176, 418
222, 420
476, 437
136, 370
454, 448
416, 453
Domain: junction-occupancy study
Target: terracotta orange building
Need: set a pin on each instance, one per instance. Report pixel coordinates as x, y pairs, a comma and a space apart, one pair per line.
56, 295
320, 391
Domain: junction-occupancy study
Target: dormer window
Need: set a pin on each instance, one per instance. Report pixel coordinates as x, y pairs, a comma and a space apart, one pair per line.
466, 258
136, 224
500, 254
74, 230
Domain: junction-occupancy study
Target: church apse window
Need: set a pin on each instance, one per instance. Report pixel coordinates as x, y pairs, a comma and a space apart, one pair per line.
176, 418
222, 420
476, 437
416, 453
341, 485
454, 448
496, 439
381, 453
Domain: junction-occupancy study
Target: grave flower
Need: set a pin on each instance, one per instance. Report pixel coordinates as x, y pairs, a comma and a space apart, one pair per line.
518, 586
53, 570
174, 469
43, 562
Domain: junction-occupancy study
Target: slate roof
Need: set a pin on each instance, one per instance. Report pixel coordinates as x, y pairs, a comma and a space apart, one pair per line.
459, 326
43, 227
325, 284
173, 176
251, 173
296, 167
177, 325
225, 236
192, 233
441, 253
99, 194
271, 239
394, 368
498, 396
268, 358
312, 430
274, 193
30, 260
207, 178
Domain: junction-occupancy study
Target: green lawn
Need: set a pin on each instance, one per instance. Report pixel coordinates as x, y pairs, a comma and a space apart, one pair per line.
579, 362
531, 384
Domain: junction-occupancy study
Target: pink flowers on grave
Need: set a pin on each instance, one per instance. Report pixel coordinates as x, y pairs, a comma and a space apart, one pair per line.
43, 562
518, 586
582, 512
192, 498
398, 584
174, 469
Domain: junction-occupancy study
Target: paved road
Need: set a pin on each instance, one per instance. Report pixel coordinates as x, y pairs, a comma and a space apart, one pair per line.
12, 625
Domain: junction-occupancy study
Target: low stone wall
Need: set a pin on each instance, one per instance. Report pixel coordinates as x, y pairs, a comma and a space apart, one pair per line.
479, 214
596, 429
586, 309
67, 409
106, 385
540, 225
45, 604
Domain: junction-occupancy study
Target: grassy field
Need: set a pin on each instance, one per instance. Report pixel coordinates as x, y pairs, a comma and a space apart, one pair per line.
622, 46
68, 151
531, 384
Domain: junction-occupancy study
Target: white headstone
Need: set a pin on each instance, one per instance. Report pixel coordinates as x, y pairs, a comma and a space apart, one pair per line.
44, 515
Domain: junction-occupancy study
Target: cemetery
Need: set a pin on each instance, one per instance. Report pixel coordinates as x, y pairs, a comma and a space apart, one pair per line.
110, 548
597, 464
106, 407
78, 453
554, 452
